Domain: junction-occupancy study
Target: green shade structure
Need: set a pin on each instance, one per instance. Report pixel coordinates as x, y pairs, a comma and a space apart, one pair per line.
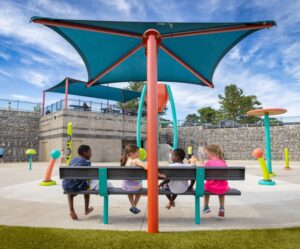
77, 87
151, 51
188, 52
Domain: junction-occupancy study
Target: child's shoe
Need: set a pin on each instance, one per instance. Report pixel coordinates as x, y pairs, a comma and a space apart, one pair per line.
221, 212
206, 210
134, 210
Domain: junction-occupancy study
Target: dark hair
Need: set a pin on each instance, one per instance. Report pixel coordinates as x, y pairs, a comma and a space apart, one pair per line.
83, 148
129, 148
179, 153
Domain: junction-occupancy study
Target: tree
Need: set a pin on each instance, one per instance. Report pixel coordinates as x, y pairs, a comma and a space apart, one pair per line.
209, 115
133, 104
163, 122
37, 108
234, 104
249, 103
191, 119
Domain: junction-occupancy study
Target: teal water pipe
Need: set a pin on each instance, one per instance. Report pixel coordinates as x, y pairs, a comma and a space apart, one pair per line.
174, 115
268, 143
139, 117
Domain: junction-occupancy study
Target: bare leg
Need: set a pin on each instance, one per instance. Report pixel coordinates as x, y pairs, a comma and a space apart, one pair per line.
221, 210
172, 201
206, 200
136, 199
86, 204
71, 207
222, 201
131, 199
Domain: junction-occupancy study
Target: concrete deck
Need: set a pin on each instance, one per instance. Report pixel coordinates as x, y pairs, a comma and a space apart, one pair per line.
24, 203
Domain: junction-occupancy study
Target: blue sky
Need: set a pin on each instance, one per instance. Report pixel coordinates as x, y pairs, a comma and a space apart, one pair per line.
267, 63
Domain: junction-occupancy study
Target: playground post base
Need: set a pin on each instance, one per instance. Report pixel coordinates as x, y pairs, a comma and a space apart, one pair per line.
266, 182
48, 183
272, 174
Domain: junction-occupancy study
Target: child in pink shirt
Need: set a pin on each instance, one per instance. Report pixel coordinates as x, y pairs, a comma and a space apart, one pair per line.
215, 159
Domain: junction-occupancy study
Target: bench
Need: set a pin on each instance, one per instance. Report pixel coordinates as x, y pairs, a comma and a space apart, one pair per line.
81, 107
103, 174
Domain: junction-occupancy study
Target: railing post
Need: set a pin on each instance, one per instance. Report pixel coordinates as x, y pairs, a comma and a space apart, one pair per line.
43, 103
66, 93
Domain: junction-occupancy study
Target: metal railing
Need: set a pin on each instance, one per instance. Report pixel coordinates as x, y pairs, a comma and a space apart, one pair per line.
88, 105
279, 121
18, 105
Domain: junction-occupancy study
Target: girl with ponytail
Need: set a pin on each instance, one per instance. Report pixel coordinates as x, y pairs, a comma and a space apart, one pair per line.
129, 158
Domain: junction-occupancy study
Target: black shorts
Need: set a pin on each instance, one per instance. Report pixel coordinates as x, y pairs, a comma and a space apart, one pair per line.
1, 156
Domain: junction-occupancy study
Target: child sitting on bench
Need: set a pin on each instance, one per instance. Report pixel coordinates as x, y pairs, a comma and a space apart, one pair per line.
176, 186
73, 185
215, 159
129, 158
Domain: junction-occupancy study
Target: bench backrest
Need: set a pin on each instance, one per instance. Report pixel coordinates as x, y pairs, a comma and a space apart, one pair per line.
136, 173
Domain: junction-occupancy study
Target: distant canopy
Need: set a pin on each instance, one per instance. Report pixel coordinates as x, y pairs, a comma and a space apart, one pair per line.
77, 87
188, 52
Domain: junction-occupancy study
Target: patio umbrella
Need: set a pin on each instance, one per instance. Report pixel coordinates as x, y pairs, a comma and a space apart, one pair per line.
174, 52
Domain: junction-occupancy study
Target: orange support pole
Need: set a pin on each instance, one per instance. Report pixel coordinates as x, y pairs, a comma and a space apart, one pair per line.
66, 93
151, 39
43, 103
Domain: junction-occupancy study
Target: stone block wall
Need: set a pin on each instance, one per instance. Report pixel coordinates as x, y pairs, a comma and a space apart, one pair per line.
19, 131
238, 143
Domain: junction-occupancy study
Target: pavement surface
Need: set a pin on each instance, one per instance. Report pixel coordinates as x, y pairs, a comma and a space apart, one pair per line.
24, 203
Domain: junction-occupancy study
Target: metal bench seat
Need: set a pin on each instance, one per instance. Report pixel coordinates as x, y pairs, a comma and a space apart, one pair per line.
120, 191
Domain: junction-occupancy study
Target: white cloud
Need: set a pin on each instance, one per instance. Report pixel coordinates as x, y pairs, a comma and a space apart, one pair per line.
5, 56
121, 9
6, 73
235, 54
21, 97
55, 8
35, 78
14, 15
122, 6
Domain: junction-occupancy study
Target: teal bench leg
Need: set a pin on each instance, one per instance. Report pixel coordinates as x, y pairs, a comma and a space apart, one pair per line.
199, 192
197, 210
102, 174
105, 210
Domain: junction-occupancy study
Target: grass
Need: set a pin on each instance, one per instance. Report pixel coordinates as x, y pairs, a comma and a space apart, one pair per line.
55, 238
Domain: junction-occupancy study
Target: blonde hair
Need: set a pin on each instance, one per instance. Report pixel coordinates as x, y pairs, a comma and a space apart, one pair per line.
215, 150
129, 148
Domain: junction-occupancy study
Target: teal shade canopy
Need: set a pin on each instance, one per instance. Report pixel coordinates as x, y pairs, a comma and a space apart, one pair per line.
77, 87
198, 46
